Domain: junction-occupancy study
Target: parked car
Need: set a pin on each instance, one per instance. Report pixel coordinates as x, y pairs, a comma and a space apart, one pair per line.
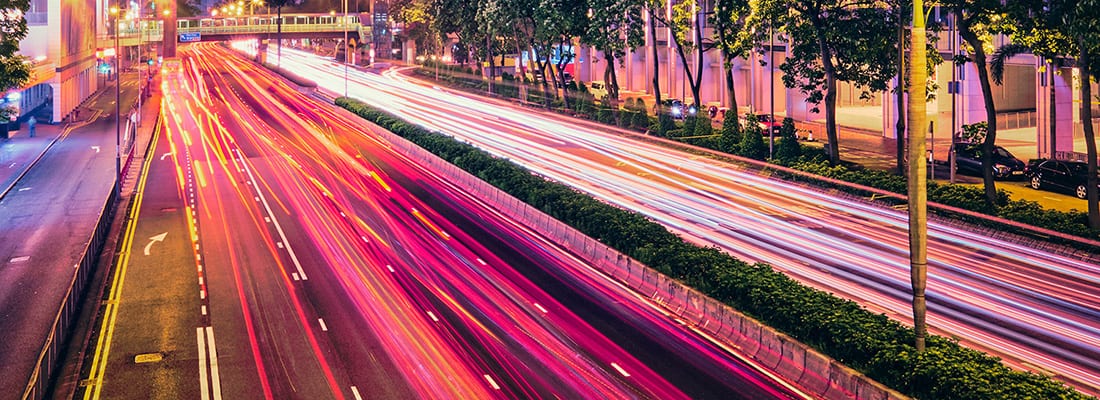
675, 108
598, 89
968, 160
1061, 176
766, 123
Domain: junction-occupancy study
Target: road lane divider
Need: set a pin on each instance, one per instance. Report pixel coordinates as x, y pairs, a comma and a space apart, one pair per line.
110, 312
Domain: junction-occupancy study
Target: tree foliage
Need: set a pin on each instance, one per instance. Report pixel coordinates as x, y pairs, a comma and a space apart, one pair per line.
14, 71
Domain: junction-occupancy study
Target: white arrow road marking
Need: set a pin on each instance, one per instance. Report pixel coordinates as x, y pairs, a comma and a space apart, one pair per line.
162, 156
96, 148
154, 239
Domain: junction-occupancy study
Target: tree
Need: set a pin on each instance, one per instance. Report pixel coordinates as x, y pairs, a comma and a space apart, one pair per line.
14, 71
662, 120
1081, 22
1058, 30
685, 19
834, 40
728, 21
918, 179
974, 21
616, 25
561, 21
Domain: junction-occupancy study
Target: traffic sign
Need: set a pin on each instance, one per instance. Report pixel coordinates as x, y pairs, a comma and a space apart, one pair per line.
188, 37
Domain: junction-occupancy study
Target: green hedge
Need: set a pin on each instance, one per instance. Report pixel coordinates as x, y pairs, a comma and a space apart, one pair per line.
871, 343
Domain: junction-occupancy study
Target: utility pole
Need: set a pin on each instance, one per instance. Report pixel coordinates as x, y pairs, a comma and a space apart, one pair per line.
918, 195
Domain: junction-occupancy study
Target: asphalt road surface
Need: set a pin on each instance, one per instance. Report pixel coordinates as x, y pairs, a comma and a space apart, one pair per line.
292, 254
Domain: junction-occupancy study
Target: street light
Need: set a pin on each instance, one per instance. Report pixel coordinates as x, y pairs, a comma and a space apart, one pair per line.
118, 100
347, 49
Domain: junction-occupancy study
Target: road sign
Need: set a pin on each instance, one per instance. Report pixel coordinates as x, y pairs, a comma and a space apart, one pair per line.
188, 37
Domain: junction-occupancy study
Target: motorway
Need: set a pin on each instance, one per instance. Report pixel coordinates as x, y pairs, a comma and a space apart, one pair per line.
1038, 310
330, 266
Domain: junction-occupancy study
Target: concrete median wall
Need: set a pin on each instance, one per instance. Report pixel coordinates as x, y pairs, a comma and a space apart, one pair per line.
794, 361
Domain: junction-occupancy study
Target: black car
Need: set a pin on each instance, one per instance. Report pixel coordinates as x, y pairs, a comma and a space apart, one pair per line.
968, 160
1057, 175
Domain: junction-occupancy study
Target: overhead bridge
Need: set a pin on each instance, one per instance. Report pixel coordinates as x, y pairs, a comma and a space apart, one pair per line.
294, 26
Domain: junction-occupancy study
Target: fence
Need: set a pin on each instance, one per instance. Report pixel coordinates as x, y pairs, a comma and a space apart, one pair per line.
794, 361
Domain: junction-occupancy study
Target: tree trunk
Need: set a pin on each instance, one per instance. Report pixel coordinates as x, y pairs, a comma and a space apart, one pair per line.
657, 106
989, 144
522, 81
611, 79
833, 147
697, 83
918, 181
900, 128
728, 67
1090, 135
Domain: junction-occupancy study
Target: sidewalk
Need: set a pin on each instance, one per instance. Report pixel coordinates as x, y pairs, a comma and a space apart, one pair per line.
20, 151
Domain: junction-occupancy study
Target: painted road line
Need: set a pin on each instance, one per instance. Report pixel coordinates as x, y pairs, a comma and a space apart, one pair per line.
492, 382
215, 377
275, 221
110, 312
323, 326
204, 384
355, 392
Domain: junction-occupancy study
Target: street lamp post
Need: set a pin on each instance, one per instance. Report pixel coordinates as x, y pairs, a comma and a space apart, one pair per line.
347, 49
118, 100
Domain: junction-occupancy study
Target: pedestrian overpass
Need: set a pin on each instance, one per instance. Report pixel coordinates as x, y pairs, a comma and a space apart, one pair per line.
199, 29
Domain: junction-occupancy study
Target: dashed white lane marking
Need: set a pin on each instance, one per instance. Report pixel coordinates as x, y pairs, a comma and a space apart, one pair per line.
492, 382
324, 327
433, 316
355, 392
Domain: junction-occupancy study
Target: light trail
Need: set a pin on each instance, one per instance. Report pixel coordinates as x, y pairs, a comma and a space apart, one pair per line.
1034, 308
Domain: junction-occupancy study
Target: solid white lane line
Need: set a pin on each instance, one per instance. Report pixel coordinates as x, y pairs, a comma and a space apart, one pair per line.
275, 221
355, 392
204, 386
215, 377
323, 326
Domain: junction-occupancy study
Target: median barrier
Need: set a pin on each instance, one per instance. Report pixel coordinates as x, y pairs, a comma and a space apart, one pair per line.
745, 333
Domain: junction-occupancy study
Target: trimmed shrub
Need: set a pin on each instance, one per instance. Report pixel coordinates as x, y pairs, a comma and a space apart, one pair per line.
787, 150
752, 142
703, 127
